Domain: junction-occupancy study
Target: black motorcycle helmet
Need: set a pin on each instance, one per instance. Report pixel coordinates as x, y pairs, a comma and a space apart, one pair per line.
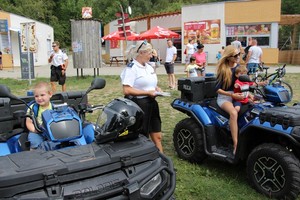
120, 119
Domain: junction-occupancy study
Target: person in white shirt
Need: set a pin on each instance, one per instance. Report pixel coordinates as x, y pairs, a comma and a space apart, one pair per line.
139, 82
59, 65
189, 52
237, 44
171, 56
191, 69
254, 57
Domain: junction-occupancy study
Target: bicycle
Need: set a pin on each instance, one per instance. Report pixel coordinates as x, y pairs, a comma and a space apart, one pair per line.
275, 78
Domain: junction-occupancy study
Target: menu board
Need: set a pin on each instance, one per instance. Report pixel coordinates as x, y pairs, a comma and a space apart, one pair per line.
25, 67
257, 29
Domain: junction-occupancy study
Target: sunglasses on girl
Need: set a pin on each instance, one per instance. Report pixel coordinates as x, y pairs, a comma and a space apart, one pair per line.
143, 43
236, 55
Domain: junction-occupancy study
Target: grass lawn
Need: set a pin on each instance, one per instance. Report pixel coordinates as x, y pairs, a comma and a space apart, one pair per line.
212, 180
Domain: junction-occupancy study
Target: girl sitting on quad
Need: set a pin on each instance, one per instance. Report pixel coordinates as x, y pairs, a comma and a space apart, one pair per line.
225, 85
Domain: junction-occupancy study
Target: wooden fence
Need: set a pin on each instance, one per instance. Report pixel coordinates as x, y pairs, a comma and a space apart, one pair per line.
289, 57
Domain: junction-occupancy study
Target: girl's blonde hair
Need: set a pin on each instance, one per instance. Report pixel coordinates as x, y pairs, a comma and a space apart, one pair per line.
134, 50
223, 70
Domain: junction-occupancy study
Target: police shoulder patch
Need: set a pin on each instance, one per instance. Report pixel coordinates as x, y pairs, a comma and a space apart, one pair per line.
130, 64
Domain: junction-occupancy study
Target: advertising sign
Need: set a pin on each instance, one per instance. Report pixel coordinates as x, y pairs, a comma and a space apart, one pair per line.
3, 26
257, 29
114, 44
206, 31
4, 37
31, 34
86, 12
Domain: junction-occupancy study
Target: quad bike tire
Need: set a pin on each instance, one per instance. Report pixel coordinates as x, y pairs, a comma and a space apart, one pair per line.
188, 141
274, 171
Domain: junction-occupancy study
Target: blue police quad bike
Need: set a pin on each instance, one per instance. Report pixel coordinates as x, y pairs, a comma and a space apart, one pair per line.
268, 139
108, 159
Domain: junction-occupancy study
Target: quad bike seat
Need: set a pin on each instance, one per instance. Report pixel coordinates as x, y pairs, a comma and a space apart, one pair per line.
213, 104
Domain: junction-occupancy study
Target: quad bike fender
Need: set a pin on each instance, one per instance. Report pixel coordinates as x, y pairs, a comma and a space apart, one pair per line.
4, 149
255, 134
88, 132
194, 110
267, 126
10, 146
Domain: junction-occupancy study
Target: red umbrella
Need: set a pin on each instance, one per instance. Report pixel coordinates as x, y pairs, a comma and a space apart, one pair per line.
158, 32
116, 36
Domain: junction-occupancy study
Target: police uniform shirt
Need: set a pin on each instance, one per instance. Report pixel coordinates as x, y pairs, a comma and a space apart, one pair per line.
139, 77
59, 58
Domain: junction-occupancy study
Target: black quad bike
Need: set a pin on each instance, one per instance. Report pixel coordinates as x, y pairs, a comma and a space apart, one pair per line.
115, 163
268, 138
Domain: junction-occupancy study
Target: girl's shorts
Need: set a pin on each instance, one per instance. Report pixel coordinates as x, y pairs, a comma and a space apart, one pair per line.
223, 98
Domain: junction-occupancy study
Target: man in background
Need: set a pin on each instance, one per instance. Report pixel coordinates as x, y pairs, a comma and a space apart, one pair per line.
237, 44
171, 56
254, 57
59, 64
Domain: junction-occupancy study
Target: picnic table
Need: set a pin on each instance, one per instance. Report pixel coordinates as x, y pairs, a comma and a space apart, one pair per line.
118, 59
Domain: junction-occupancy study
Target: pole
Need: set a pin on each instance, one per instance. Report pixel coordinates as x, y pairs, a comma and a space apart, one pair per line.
28, 55
100, 33
124, 31
123, 20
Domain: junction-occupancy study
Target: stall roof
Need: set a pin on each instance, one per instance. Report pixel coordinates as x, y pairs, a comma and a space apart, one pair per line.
155, 15
285, 19
289, 19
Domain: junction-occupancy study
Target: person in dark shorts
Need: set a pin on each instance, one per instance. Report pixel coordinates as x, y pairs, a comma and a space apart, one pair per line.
1, 66
59, 64
171, 55
139, 82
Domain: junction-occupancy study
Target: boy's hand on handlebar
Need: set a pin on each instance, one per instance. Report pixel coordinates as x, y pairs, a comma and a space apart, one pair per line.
263, 83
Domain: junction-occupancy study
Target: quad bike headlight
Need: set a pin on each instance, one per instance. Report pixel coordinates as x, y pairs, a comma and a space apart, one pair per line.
151, 185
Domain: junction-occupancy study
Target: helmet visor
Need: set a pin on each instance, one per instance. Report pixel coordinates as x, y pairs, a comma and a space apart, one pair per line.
110, 122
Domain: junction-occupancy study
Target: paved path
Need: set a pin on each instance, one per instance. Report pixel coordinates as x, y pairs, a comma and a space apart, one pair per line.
44, 71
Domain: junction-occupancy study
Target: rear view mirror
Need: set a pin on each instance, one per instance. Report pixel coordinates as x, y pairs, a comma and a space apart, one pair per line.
5, 92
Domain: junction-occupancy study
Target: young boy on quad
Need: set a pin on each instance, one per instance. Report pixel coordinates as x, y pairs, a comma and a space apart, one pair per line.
42, 95
242, 87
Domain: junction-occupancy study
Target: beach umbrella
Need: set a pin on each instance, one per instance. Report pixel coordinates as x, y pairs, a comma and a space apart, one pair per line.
116, 36
158, 32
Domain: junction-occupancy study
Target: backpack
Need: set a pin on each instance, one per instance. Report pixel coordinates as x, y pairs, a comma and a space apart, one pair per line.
35, 107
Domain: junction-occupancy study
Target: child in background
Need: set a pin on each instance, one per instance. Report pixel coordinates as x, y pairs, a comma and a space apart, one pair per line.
240, 86
192, 68
219, 55
42, 95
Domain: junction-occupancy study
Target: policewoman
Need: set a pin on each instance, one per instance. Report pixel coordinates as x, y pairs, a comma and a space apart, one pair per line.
139, 82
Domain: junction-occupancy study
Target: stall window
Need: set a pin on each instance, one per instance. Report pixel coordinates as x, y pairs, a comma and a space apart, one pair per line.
259, 31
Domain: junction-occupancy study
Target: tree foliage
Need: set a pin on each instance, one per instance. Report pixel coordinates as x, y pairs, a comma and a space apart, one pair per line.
57, 13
